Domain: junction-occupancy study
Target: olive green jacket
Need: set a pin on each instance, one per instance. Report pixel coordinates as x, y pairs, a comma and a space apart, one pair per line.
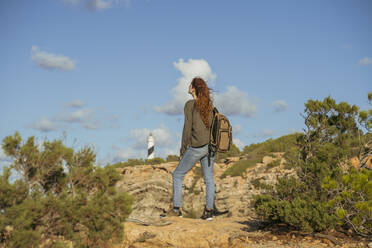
195, 133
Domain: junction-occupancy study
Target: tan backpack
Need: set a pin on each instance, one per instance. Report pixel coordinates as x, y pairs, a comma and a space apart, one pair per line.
220, 138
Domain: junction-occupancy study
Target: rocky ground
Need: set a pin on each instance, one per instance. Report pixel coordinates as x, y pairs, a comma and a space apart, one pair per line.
229, 232
151, 185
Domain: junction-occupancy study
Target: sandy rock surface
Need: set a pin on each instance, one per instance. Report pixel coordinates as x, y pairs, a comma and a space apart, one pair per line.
223, 233
151, 186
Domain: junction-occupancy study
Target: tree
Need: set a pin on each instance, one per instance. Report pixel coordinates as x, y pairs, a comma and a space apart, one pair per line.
323, 194
60, 193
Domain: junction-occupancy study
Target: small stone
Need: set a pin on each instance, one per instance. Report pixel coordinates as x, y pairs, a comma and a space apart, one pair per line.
328, 242
370, 245
293, 237
275, 238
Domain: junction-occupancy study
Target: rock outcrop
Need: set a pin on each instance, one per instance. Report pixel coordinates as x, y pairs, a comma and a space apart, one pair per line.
151, 185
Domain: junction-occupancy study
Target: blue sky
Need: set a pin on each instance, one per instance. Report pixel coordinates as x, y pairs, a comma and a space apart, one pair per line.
106, 73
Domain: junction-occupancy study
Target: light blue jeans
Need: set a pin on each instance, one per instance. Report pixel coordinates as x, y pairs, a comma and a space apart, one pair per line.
190, 157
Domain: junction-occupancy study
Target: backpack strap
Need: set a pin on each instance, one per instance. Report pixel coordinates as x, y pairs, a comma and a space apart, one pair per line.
215, 111
211, 151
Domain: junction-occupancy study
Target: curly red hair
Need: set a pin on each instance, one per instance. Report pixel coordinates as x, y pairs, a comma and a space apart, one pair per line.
203, 101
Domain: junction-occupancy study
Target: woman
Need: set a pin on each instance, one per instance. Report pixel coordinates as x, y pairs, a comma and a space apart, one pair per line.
194, 147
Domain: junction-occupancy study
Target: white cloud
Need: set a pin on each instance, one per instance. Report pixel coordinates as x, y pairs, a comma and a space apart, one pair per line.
236, 129
98, 4
76, 103
365, 61
235, 102
238, 143
85, 116
77, 116
171, 151
189, 69
232, 102
44, 125
123, 154
164, 144
162, 137
51, 61
280, 106
264, 133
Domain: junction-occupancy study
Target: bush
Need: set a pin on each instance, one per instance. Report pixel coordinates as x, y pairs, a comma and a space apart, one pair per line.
60, 193
134, 162
260, 185
238, 168
172, 158
281, 144
353, 207
274, 163
305, 214
254, 153
322, 195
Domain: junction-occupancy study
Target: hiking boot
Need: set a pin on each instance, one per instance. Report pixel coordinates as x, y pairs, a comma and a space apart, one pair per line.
171, 213
207, 214
216, 212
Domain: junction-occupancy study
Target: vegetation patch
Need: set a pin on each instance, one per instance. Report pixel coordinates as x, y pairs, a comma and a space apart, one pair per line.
323, 195
238, 168
60, 192
136, 161
274, 163
258, 184
254, 153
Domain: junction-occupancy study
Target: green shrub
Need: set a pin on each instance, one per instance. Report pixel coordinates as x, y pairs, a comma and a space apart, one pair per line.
60, 193
156, 160
272, 164
238, 168
353, 206
305, 214
134, 162
260, 185
322, 195
254, 153
281, 144
172, 158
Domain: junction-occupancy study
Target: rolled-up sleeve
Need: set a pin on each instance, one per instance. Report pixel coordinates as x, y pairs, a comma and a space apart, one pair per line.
186, 133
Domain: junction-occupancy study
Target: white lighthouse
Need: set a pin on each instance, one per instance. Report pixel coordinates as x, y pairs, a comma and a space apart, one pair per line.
150, 147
